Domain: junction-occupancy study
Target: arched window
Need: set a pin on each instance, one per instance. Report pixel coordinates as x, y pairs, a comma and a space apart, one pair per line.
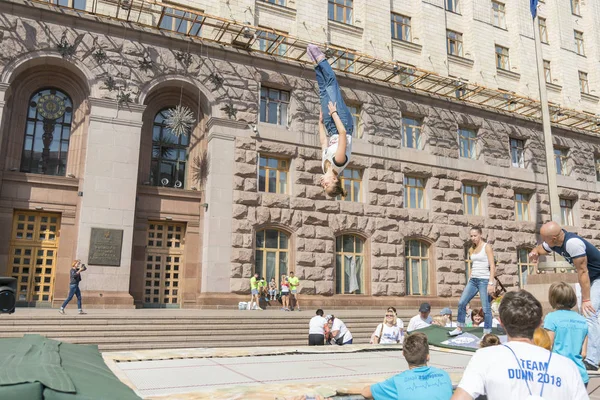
525, 267
349, 264
271, 258
416, 254
169, 154
47, 133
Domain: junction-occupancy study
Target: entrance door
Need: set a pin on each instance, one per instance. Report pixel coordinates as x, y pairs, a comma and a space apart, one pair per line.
32, 256
164, 264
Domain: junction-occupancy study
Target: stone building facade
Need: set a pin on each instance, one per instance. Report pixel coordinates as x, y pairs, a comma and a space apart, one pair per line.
197, 242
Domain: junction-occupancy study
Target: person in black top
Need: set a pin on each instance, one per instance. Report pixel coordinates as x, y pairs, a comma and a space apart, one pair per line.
76, 268
585, 257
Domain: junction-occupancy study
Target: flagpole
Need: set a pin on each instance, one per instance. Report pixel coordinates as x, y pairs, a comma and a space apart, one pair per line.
548, 144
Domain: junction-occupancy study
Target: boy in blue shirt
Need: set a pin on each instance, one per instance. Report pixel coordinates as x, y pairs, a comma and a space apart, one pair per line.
567, 329
419, 382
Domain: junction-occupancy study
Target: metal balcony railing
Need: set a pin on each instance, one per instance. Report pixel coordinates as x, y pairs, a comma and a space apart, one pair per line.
197, 26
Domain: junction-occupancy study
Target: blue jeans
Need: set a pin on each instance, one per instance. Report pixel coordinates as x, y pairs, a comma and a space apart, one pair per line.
73, 290
473, 286
593, 347
329, 90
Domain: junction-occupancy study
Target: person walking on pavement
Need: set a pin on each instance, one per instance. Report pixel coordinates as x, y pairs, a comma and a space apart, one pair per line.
585, 257
75, 277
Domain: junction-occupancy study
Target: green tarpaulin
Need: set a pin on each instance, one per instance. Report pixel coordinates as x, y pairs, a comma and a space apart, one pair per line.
34, 367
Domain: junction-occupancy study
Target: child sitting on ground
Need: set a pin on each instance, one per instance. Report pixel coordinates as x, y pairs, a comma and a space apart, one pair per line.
419, 382
272, 289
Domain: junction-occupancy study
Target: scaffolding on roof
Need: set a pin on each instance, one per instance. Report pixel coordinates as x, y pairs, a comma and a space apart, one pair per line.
196, 25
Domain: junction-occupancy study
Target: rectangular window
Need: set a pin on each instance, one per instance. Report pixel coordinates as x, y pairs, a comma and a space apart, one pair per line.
454, 43
597, 164
472, 199
343, 61
522, 206
401, 27
416, 258
576, 7
411, 133
453, 6
355, 113
352, 182
517, 153
526, 267
502, 60
584, 86
467, 142
543, 30
414, 192
579, 43
561, 158
273, 175
278, 2
180, 21
76, 4
499, 14
341, 11
274, 105
547, 71
271, 43
566, 212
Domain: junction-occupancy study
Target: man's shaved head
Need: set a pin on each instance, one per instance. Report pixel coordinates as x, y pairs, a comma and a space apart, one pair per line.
551, 233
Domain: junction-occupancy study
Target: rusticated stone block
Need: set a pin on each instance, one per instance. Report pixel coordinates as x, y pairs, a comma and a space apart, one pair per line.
298, 203
385, 175
275, 200
238, 183
306, 178
250, 184
305, 258
324, 288
263, 215
385, 224
392, 165
276, 148
379, 289
307, 287
239, 285
454, 197
379, 262
239, 155
388, 200
236, 270
323, 232
315, 193
327, 206
383, 249
239, 211
396, 289
241, 226
351, 208
245, 143
374, 211
247, 198
241, 255
379, 237
306, 231
313, 166
314, 218
245, 170
314, 274
325, 259
397, 213
378, 187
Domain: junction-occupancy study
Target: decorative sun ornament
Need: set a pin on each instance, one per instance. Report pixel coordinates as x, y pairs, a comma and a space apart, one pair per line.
180, 120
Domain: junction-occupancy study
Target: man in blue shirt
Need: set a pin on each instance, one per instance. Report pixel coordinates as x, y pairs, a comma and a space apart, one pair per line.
419, 382
585, 257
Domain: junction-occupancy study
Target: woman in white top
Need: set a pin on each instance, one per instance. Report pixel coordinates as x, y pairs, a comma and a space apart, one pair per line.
483, 272
390, 331
335, 125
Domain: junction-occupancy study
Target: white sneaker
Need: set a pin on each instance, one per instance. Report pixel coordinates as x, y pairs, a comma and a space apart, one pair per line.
455, 332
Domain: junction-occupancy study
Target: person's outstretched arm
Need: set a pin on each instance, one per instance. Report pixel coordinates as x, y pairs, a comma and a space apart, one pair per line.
322, 132
340, 154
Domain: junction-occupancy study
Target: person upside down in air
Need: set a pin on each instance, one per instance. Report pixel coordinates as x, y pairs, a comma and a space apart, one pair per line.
335, 125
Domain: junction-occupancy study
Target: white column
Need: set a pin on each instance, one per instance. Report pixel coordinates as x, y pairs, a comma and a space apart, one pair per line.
109, 189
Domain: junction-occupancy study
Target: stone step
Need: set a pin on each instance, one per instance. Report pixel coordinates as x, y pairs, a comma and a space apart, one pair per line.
192, 345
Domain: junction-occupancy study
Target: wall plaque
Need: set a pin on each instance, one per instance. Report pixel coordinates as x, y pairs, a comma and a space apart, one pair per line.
105, 247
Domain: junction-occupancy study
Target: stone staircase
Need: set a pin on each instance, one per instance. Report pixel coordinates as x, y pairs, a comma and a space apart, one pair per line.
124, 330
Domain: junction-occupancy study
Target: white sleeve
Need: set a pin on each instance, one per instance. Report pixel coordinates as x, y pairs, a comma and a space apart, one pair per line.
473, 379
575, 247
579, 390
376, 333
399, 323
546, 247
411, 325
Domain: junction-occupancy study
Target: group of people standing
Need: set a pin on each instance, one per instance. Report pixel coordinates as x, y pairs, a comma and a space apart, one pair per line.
288, 294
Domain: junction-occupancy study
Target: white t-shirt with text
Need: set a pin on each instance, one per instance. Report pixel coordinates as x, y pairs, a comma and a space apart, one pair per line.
316, 326
417, 322
389, 334
498, 373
